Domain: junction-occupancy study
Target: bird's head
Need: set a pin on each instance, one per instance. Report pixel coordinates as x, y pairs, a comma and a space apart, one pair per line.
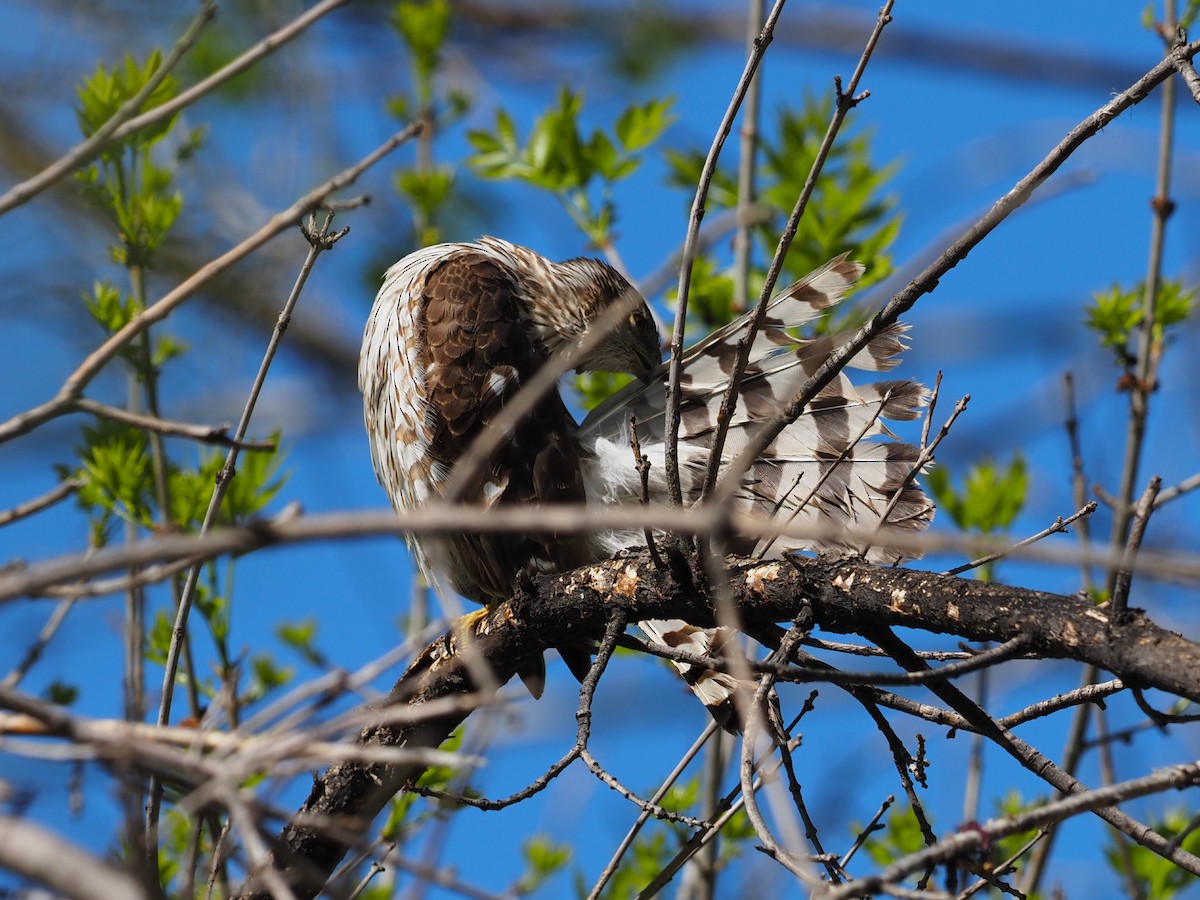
586, 293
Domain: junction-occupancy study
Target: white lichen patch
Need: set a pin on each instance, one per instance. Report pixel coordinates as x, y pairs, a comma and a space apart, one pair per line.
1070, 634
626, 583
757, 577
952, 610
899, 599
845, 583
599, 579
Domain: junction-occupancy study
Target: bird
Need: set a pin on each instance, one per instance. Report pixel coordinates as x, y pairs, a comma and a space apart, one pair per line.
456, 331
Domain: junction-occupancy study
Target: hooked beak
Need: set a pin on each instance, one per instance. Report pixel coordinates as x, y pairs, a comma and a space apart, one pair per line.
650, 360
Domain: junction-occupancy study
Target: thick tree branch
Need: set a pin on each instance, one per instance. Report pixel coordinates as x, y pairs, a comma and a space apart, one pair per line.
844, 596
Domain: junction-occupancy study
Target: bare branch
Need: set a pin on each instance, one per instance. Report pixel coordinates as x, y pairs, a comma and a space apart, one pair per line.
1058, 525
72, 389
963, 843
845, 101
644, 815
955, 253
37, 504
207, 434
1141, 518
106, 133
688, 257
1188, 71
40, 855
1032, 759
1188, 484
289, 527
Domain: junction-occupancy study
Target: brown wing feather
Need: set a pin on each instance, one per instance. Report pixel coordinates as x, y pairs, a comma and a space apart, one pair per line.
479, 353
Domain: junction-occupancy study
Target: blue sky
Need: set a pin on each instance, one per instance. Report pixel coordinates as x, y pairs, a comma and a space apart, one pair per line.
1002, 326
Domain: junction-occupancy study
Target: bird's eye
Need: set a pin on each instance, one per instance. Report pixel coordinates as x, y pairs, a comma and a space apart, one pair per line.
635, 318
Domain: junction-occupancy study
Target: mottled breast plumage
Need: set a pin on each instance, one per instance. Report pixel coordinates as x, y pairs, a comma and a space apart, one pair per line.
455, 332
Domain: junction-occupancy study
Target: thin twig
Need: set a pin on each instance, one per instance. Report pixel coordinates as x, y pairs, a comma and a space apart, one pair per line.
824, 673
1190, 77
844, 101
688, 257
1032, 759
1059, 524
732, 803
957, 251
1188, 484
642, 463
866, 831
43, 501
1149, 349
783, 739
713, 230
90, 147
320, 240
643, 816
1004, 868
755, 726
924, 457
743, 237
1078, 476
122, 124
72, 388
207, 434
933, 399
963, 843
32, 852
1141, 517
38, 647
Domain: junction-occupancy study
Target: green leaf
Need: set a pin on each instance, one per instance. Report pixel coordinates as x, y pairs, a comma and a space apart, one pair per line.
267, 675
684, 169
604, 156
558, 158
543, 858
115, 475
640, 126
103, 92
301, 637
109, 307
423, 26
1190, 13
1113, 315
60, 693
256, 483
594, 387
214, 609
1011, 805
898, 837
158, 640
681, 797
1156, 878
429, 190
710, 296
989, 499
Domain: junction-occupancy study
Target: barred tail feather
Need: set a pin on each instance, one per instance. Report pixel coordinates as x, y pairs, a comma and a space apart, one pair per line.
836, 467
723, 695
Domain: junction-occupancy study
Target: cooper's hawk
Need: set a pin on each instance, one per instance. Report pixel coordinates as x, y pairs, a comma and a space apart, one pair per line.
458, 329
